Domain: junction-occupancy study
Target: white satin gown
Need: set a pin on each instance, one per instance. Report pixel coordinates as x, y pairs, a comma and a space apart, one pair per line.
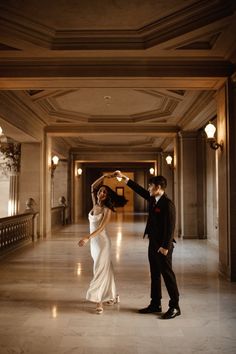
102, 287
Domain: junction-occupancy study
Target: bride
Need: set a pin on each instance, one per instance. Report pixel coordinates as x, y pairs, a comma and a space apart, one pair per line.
102, 287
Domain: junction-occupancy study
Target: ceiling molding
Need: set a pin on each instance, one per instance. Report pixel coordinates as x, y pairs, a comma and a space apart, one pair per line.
75, 130
192, 83
22, 27
203, 99
15, 112
4, 47
178, 92
59, 68
146, 142
173, 25
166, 107
22, 107
133, 156
107, 150
167, 144
204, 43
51, 108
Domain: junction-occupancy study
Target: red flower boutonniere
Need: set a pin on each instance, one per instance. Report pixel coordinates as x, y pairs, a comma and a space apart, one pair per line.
157, 210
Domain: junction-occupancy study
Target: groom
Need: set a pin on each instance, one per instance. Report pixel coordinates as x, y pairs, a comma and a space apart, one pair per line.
160, 230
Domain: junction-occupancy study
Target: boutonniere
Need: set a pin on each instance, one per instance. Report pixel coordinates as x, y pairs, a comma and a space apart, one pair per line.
157, 210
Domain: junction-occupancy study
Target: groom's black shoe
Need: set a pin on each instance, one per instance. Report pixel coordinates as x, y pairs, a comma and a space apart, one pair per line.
171, 313
150, 309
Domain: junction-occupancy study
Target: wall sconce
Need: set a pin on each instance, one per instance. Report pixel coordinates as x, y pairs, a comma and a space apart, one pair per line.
79, 172
151, 171
3, 138
169, 160
210, 130
55, 160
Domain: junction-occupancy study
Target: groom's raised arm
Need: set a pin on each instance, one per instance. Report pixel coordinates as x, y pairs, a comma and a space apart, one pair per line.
138, 189
133, 185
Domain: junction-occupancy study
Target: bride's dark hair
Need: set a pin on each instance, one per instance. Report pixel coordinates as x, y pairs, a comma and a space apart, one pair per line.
113, 200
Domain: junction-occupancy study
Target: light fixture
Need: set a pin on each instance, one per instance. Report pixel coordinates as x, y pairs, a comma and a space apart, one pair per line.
107, 100
169, 160
79, 171
151, 171
119, 179
54, 164
210, 130
3, 138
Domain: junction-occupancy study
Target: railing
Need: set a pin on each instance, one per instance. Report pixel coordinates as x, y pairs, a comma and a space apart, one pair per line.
15, 230
58, 216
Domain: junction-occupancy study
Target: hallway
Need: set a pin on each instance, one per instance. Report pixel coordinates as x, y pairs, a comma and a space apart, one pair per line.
43, 307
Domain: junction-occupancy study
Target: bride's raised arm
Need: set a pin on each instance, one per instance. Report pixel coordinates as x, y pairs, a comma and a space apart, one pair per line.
96, 184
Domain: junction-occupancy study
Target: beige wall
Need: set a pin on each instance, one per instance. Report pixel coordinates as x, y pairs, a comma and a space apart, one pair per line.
60, 182
140, 205
211, 197
223, 182
188, 185
29, 179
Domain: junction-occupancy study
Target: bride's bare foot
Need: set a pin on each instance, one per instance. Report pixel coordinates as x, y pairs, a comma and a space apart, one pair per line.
99, 308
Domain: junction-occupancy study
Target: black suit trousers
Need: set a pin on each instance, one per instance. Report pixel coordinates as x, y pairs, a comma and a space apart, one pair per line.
162, 265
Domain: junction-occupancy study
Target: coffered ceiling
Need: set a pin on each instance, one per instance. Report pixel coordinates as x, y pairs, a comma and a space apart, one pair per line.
137, 71
115, 105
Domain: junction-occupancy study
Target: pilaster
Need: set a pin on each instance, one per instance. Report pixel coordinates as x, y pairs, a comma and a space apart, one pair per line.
226, 131
188, 185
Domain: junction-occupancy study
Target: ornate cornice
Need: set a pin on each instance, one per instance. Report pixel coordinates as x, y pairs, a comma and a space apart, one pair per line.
188, 135
203, 99
75, 130
178, 23
21, 115
113, 67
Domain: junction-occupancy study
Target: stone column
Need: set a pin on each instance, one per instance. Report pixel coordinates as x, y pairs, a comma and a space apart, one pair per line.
188, 223
232, 178
46, 151
13, 203
176, 199
201, 185
212, 205
226, 133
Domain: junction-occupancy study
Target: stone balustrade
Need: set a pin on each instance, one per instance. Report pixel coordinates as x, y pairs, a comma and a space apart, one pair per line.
18, 229
58, 216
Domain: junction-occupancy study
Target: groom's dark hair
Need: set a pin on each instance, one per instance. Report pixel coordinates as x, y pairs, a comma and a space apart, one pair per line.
158, 181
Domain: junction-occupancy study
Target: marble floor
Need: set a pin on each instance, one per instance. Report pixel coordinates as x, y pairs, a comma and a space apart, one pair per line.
43, 308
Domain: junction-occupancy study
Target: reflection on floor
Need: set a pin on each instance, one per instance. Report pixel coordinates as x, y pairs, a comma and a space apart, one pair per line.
43, 310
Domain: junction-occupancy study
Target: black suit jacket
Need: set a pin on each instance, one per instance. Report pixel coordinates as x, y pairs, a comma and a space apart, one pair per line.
161, 217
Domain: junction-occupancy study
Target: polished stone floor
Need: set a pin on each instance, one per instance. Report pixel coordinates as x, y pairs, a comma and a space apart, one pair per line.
43, 308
